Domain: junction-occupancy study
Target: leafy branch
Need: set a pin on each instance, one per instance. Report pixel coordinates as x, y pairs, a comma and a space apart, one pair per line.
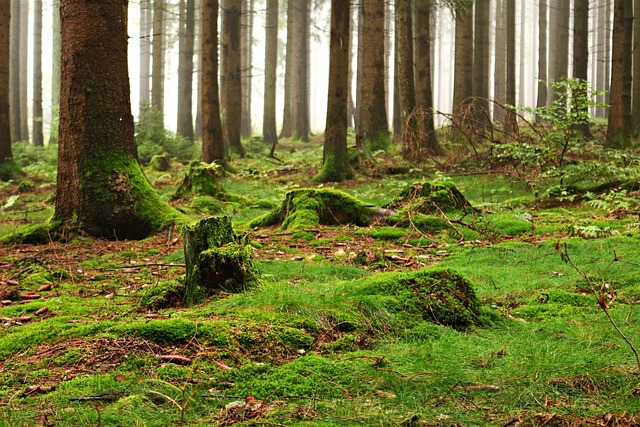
601, 296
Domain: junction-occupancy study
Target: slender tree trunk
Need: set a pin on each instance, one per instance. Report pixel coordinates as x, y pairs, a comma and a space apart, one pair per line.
373, 123
511, 124
616, 136
424, 92
246, 25
406, 80
185, 69
232, 88
269, 131
24, 61
302, 121
146, 19
335, 165
213, 144
100, 186
289, 73
388, 57
14, 87
481, 61
463, 72
38, 137
500, 74
158, 58
560, 43
628, 67
635, 113
55, 73
197, 132
581, 57
542, 54
5, 55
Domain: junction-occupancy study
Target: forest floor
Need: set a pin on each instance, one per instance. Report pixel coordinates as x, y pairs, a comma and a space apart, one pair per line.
83, 342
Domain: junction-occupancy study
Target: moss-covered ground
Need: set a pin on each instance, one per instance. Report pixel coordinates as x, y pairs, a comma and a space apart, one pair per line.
343, 327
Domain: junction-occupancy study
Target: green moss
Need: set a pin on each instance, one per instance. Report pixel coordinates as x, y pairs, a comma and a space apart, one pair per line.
162, 331
201, 178
307, 208
431, 198
388, 233
118, 201
160, 162
334, 169
34, 234
9, 170
163, 295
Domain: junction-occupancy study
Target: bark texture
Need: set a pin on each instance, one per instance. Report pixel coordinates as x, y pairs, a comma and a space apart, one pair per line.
232, 81
185, 69
5, 127
101, 188
269, 131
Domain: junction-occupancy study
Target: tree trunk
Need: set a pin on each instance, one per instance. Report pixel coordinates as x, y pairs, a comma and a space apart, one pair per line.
500, 73
581, 58
616, 136
14, 75
213, 145
628, 67
542, 54
246, 48
157, 58
635, 113
232, 87
481, 62
55, 73
511, 123
463, 70
197, 132
36, 124
302, 120
101, 188
290, 74
373, 122
269, 131
146, 18
409, 135
423, 86
185, 69
24, 61
559, 39
335, 166
5, 43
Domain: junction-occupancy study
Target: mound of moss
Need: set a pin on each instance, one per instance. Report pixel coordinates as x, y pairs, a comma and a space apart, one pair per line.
307, 208
201, 179
442, 296
431, 197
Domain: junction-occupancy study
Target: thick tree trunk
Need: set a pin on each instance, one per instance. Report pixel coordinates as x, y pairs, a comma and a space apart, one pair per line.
581, 58
616, 136
185, 69
36, 124
101, 188
213, 145
628, 67
373, 122
197, 131
424, 93
158, 57
232, 87
463, 72
55, 73
5, 125
146, 19
269, 131
336, 165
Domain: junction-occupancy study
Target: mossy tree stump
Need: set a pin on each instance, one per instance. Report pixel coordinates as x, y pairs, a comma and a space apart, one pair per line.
308, 208
216, 260
201, 178
431, 197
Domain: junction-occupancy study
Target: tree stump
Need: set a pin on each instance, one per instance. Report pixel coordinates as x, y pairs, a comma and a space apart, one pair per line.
308, 208
201, 178
216, 260
431, 198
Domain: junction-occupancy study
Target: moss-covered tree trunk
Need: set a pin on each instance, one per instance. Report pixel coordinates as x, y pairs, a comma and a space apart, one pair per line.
215, 259
336, 165
101, 188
